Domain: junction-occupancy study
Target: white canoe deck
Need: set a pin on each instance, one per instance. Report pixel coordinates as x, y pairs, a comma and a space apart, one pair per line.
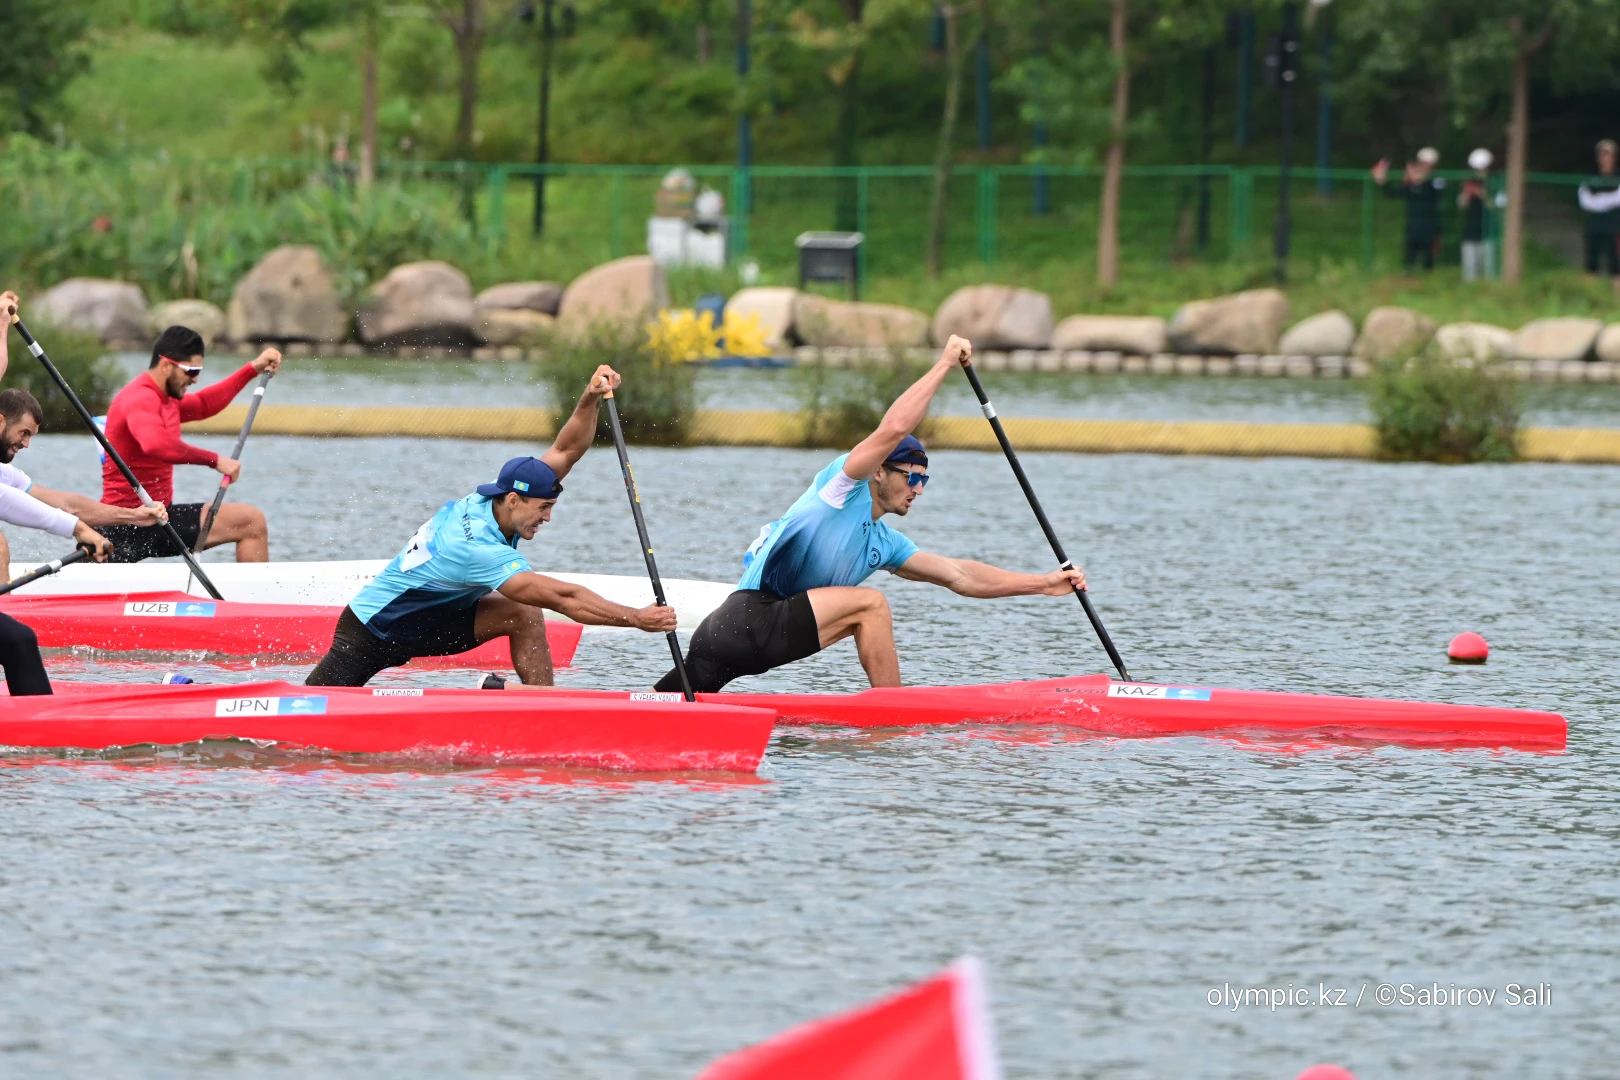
335, 583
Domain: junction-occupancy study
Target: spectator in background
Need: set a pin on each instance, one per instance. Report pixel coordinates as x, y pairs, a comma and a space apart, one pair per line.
1479, 205
1600, 198
1421, 190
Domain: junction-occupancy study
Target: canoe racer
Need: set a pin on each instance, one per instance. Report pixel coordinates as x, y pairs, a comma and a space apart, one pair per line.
801, 586
143, 425
460, 581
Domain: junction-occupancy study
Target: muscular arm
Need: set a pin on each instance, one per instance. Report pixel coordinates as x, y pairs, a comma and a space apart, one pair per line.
905, 414
578, 602
159, 442
88, 510
983, 581
576, 435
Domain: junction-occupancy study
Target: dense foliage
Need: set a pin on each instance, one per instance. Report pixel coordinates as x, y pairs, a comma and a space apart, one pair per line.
82, 361
658, 400
1428, 408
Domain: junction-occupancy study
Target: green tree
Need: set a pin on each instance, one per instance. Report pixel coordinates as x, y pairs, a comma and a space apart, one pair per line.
41, 51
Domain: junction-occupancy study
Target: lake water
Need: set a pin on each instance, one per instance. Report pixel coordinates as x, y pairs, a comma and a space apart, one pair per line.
180, 917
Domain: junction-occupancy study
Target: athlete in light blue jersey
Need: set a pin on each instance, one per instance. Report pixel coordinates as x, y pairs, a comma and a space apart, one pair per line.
801, 587
460, 580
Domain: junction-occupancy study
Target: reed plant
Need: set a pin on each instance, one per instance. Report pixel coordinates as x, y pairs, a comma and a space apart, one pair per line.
1430, 407
842, 406
83, 363
658, 400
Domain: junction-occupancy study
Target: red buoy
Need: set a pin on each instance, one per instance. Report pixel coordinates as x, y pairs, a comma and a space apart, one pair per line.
1468, 648
1326, 1072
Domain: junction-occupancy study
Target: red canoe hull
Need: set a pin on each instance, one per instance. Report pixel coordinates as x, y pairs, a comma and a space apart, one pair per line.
639, 736
179, 622
1095, 703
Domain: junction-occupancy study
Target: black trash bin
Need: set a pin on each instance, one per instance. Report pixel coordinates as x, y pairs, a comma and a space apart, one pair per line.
831, 256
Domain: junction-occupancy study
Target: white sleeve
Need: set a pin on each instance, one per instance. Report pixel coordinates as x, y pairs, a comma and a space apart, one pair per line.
21, 508
11, 476
1595, 203
835, 492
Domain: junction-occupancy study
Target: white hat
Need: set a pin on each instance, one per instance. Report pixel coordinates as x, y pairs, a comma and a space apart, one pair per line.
1429, 156
1480, 160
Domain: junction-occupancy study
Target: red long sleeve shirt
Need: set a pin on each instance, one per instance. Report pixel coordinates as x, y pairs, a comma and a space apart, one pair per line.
143, 425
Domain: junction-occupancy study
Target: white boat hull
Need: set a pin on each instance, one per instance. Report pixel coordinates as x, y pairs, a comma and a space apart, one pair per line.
335, 583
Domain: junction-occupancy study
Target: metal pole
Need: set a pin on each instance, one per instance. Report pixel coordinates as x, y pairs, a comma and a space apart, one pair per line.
1288, 75
548, 40
745, 130
1324, 112
1206, 146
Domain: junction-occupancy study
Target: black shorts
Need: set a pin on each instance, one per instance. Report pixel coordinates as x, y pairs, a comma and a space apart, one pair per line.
132, 543
751, 632
357, 654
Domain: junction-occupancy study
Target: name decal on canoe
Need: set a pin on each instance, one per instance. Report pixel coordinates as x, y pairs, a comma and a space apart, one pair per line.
398, 691
303, 705
182, 609
654, 695
1163, 693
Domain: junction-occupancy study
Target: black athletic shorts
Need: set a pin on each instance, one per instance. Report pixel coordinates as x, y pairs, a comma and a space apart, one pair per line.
751, 632
19, 655
132, 543
357, 654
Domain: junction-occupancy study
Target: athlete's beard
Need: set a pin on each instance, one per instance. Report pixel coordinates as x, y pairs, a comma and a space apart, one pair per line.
8, 450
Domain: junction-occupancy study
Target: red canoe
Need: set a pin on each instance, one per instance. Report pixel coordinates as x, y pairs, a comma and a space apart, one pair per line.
640, 736
180, 622
1143, 710
939, 1029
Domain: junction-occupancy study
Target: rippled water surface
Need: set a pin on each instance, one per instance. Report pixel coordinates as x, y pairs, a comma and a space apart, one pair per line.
188, 917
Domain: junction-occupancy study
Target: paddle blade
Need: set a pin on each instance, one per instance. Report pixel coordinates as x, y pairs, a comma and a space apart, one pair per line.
939, 1029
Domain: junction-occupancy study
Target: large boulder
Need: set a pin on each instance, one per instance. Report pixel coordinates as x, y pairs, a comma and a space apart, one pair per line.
624, 292
1390, 333
290, 295
419, 304
1245, 322
772, 306
996, 317
199, 315
1556, 340
1608, 344
1142, 334
515, 326
1477, 343
111, 310
541, 296
1331, 333
822, 322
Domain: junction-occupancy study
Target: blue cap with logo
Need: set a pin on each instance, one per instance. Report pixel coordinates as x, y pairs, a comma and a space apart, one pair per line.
525, 475
910, 452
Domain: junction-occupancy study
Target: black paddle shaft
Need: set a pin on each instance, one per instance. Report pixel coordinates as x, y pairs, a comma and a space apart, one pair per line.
225, 481
646, 544
79, 554
989, 411
112, 455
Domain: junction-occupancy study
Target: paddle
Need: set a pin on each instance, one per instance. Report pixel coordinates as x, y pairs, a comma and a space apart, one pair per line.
225, 481
646, 544
1040, 515
79, 554
112, 455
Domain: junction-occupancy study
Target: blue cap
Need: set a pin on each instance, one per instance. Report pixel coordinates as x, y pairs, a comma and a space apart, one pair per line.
526, 476
910, 452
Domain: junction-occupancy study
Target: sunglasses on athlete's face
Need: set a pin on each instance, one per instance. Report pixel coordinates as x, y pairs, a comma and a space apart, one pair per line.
913, 479
189, 371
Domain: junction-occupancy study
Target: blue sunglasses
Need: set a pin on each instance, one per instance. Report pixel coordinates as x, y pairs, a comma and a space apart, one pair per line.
913, 479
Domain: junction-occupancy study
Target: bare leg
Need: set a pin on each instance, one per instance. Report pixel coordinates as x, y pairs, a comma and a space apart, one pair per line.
844, 611
244, 526
525, 626
5, 559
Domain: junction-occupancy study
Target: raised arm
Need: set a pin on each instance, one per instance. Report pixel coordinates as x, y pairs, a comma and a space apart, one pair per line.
576, 435
8, 309
584, 606
906, 413
983, 581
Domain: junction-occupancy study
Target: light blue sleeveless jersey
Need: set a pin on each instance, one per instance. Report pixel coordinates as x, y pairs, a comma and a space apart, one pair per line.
455, 559
826, 538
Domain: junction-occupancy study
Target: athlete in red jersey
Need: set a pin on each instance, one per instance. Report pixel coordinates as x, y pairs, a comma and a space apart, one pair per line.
143, 425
